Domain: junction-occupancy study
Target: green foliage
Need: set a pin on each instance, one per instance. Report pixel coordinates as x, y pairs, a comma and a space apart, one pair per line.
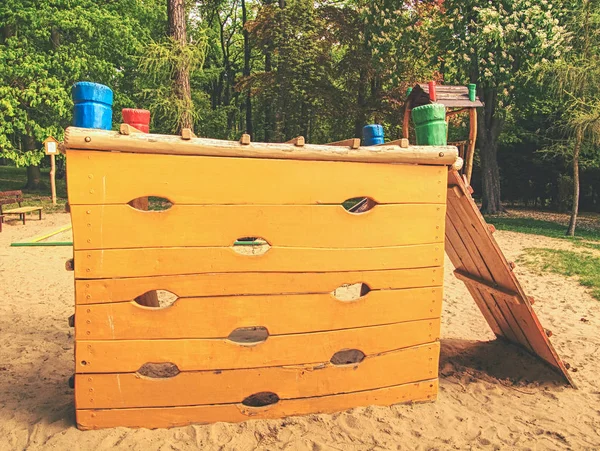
46, 46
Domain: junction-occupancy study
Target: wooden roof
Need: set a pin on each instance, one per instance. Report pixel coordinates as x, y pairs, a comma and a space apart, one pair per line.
447, 95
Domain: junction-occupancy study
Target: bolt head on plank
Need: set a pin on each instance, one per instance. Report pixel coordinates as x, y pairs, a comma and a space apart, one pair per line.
70, 265
491, 228
72, 320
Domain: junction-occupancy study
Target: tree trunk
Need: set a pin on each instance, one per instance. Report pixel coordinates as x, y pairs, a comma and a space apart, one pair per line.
489, 128
575, 210
361, 101
249, 125
34, 177
181, 77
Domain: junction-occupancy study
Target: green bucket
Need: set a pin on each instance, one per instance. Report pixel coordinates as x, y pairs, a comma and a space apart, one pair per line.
430, 125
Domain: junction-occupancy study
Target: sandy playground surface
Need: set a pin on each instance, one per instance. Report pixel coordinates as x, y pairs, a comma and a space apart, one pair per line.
492, 395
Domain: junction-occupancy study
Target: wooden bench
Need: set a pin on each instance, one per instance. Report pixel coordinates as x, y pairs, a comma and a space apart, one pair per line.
15, 197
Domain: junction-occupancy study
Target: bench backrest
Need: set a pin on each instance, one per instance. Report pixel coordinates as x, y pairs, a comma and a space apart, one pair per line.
11, 197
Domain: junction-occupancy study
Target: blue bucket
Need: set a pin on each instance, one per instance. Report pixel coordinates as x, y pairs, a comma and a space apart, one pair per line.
372, 135
93, 105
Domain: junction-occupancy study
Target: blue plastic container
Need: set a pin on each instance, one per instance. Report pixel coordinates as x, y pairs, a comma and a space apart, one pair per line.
93, 105
372, 135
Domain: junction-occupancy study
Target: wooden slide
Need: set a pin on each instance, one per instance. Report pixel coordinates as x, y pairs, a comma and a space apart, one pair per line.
480, 264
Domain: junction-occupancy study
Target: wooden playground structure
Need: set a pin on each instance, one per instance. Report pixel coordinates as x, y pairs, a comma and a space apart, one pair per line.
267, 334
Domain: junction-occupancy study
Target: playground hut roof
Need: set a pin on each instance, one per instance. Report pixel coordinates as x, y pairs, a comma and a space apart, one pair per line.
447, 95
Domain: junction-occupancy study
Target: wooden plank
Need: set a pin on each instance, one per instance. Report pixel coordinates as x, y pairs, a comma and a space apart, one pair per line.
107, 178
106, 140
482, 284
232, 386
455, 256
127, 356
216, 317
502, 275
487, 264
164, 417
224, 284
120, 226
98, 264
472, 264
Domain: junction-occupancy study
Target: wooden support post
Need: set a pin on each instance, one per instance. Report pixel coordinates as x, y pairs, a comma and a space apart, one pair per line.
53, 178
472, 140
406, 122
245, 139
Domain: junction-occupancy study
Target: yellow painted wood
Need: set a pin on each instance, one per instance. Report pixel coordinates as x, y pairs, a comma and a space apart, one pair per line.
184, 260
232, 386
164, 417
223, 284
117, 178
216, 317
122, 356
121, 226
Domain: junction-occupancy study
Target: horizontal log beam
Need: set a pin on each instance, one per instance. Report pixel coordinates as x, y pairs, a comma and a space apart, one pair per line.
106, 140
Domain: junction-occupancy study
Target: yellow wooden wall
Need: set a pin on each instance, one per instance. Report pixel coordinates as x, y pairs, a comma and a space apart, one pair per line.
316, 246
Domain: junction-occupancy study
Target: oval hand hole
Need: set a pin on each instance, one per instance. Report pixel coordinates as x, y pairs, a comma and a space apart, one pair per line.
251, 245
151, 203
157, 299
347, 357
265, 398
351, 292
249, 335
158, 370
358, 205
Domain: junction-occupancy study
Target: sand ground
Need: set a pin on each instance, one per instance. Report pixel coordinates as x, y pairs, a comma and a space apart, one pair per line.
492, 395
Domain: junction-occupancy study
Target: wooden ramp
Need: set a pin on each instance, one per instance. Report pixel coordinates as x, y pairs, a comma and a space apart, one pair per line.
480, 264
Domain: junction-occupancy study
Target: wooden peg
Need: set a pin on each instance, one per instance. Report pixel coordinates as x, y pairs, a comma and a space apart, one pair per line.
297, 141
402, 142
70, 265
72, 320
531, 299
512, 265
491, 228
126, 129
245, 139
458, 164
548, 333
353, 143
187, 134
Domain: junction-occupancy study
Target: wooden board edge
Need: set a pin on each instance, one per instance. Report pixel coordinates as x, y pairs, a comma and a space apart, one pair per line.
157, 417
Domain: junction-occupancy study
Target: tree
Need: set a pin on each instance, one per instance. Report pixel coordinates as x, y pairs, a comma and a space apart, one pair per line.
45, 47
576, 80
495, 44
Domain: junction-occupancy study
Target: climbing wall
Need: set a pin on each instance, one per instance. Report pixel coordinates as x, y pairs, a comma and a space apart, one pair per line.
252, 334
480, 264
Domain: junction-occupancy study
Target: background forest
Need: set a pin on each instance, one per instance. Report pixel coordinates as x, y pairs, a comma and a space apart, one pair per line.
321, 69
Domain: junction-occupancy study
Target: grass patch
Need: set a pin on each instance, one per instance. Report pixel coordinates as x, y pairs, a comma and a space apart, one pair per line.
583, 265
12, 178
540, 227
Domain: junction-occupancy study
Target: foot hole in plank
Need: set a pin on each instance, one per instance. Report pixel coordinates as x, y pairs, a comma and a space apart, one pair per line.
249, 335
351, 292
262, 399
347, 357
158, 299
158, 370
358, 205
251, 245
151, 203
